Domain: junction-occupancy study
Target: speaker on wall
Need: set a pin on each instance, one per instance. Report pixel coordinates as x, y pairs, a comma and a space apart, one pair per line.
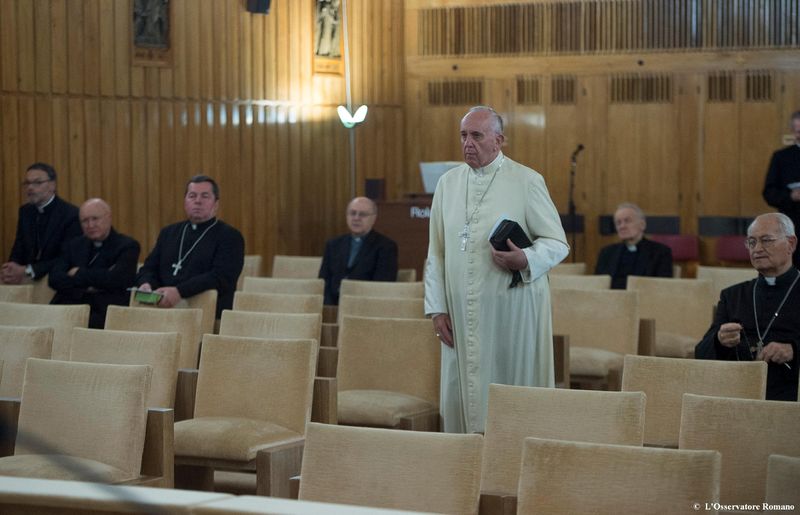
258, 6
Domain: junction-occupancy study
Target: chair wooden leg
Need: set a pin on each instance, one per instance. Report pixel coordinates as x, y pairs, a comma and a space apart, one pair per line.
327, 361
324, 405
9, 418
275, 468
159, 454
192, 477
184, 393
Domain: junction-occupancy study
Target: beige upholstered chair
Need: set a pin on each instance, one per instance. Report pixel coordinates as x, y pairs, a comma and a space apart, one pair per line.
569, 269
580, 282
665, 380
186, 322
783, 480
61, 318
296, 267
277, 302
280, 285
16, 293
407, 275
577, 477
517, 412
385, 307
721, 277
42, 292
388, 373
87, 421
271, 325
384, 468
603, 326
251, 268
253, 403
159, 350
745, 432
382, 289
681, 309
17, 344
205, 301
677, 271
272, 505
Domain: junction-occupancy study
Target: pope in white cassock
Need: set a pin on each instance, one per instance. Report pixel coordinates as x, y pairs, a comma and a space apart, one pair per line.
491, 333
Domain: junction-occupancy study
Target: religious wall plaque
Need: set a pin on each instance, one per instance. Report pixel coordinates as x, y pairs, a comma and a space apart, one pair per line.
328, 41
151, 33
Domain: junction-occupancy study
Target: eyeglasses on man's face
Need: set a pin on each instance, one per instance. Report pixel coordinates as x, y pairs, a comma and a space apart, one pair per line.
36, 182
766, 242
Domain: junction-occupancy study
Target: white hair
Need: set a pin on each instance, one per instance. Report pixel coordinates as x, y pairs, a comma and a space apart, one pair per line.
636, 209
497, 120
786, 224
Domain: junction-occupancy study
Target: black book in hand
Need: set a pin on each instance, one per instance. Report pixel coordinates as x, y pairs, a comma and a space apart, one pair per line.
509, 229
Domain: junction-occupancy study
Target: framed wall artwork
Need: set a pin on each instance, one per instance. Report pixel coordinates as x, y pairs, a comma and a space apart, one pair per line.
328, 42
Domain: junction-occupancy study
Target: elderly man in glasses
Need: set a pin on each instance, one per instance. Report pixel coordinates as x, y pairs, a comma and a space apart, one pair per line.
363, 254
760, 319
45, 223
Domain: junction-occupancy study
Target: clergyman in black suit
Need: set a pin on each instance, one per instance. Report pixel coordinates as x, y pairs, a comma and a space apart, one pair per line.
363, 254
45, 223
96, 268
635, 254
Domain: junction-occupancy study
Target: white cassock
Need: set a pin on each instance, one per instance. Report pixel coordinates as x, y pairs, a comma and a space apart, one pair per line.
502, 335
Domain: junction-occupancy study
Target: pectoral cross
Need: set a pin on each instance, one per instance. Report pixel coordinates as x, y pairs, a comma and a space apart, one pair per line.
176, 268
464, 236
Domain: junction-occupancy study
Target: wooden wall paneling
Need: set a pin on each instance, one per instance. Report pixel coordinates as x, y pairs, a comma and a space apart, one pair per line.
561, 138
75, 57
658, 170
591, 170
122, 201
689, 105
720, 160
91, 47
6, 190
759, 135
293, 224
258, 63
232, 55
76, 172
26, 46
152, 81
208, 39
108, 146
179, 46
58, 50
8, 44
122, 47
262, 161
106, 44
12, 168
180, 169
42, 41
790, 96
310, 166
245, 65
169, 185
243, 150
194, 155
525, 133
299, 50
624, 161
43, 129
191, 23
142, 208
208, 142
61, 143
26, 125
280, 64
225, 165
220, 49
94, 144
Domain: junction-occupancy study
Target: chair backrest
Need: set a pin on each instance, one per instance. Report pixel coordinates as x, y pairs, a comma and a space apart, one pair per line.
407, 275
42, 292
271, 325
600, 319
382, 289
678, 306
17, 344
16, 293
721, 277
517, 412
279, 285
685, 247
61, 318
205, 301
783, 480
745, 432
251, 268
665, 380
569, 269
384, 468
383, 307
255, 378
296, 267
580, 282
86, 410
731, 249
277, 302
159, 350
186, 322
565, 477
396, 355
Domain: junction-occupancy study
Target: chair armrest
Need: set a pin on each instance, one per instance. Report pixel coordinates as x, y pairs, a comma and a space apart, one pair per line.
330, 314
325, 404
497, 504
330, 335
561, 360
327, 361
185, 392
9, 416
647, 337
159, 452
275, 466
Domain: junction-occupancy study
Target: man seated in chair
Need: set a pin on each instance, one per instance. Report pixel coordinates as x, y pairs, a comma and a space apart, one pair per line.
635, 254
96, 268
759, 319
198, 254
45, 223
363, 254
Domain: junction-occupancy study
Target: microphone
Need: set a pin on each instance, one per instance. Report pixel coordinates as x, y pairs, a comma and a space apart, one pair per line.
577, 151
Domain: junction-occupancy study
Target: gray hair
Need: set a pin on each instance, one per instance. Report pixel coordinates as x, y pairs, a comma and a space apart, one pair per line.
786, 224
636, 209
497, 120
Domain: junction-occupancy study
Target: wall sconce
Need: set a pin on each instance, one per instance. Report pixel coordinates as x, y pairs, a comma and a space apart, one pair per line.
349, 120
